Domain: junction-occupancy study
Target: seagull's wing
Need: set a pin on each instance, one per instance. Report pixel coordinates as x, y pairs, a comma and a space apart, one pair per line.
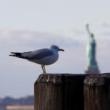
31, 55
39, 54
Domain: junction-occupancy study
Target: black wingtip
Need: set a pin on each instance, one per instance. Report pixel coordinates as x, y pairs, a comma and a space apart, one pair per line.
12, 54
15, 54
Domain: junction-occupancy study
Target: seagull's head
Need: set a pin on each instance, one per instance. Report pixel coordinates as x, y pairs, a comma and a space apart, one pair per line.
56, 48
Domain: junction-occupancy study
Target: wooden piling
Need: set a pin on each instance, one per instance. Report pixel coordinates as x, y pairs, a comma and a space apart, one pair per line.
72, 92
59, 92
96, 92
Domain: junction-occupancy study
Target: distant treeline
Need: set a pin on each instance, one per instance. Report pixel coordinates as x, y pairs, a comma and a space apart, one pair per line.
29, 100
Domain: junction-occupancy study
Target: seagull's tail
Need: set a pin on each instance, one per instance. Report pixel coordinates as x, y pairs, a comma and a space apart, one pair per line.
16, 54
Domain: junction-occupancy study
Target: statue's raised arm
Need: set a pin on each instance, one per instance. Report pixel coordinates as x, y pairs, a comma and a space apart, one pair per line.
87, 28
88, 31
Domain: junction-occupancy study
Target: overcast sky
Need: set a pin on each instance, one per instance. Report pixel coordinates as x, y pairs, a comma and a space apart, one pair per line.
33, 24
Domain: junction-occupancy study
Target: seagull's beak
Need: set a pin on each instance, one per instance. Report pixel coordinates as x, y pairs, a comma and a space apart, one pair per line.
61, 50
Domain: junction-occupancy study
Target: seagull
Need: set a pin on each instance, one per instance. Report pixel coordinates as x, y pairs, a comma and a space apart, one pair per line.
45, 56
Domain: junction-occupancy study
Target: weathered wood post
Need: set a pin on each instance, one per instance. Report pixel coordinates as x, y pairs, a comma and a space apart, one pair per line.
59, 92
96, 92
72, 92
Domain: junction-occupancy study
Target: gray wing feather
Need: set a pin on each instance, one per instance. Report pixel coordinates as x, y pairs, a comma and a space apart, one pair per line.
39, 54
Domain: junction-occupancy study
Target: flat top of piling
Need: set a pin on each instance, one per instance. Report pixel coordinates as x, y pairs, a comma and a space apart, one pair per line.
58, 78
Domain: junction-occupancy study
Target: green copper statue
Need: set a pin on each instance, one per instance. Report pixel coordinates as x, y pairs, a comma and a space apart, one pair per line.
91, 52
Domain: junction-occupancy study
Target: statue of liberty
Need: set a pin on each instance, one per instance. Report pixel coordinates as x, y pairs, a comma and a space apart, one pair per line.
91, 52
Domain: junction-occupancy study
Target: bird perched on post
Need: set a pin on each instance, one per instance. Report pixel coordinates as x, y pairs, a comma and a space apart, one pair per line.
43, 57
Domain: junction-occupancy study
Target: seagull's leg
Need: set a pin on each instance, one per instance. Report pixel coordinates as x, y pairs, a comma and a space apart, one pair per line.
44, 71
43, 68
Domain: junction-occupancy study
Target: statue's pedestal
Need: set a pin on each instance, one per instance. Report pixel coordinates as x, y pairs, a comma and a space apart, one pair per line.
92, 70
